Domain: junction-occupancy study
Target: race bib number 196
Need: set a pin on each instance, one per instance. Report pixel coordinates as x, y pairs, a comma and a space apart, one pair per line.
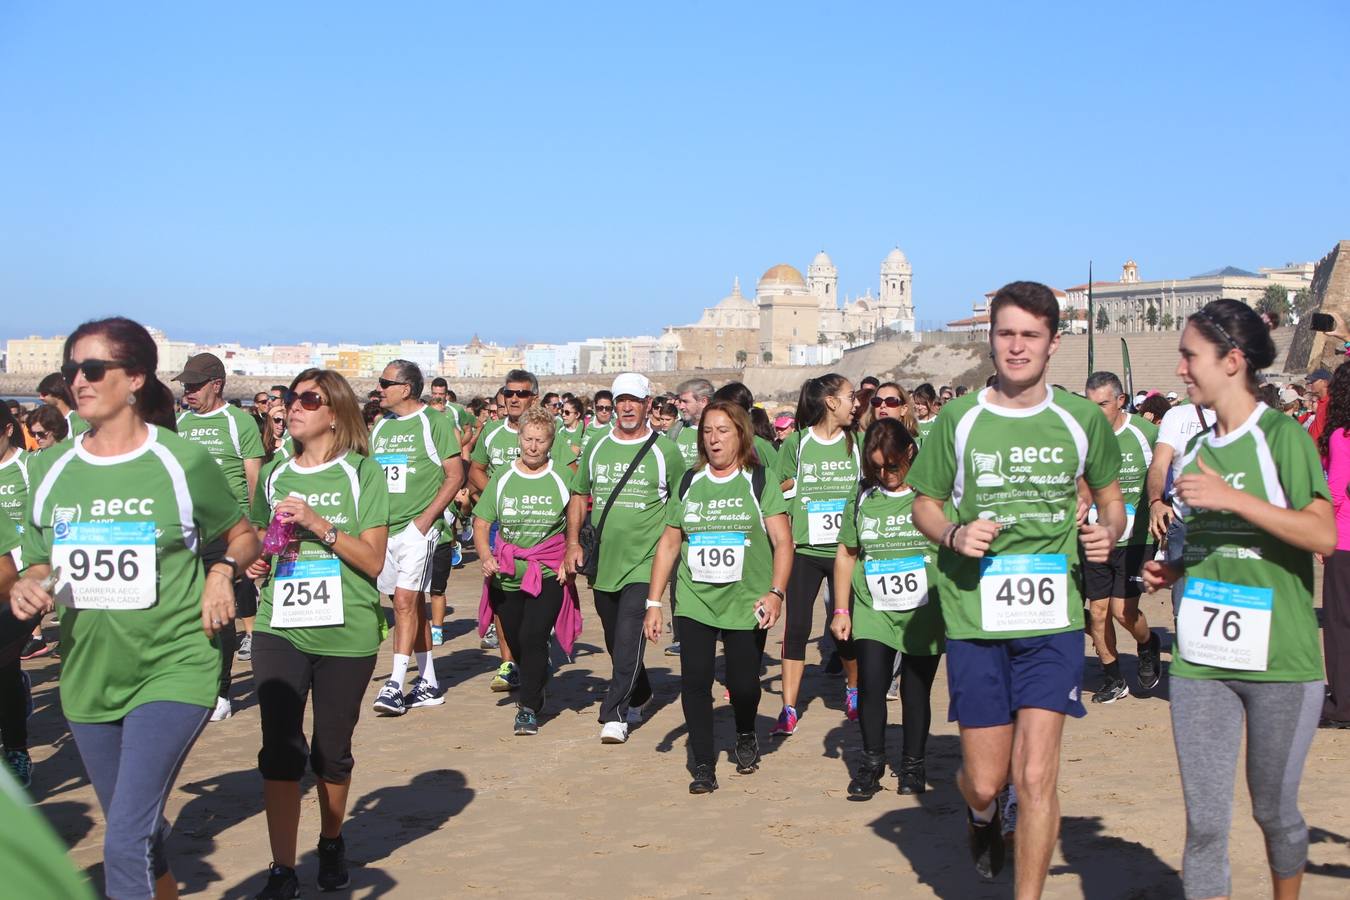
105, 565
1225, 625
716, 557
1024, 592
307, 593
395, 471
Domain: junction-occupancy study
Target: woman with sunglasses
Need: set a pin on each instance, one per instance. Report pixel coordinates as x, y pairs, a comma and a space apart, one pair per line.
277, 443
572, 433
891, 402
884, 562
47, 426
821, 463
1246, 657
319, 618
119, 516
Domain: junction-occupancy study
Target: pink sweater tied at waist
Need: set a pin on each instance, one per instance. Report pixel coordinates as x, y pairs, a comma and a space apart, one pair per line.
546, 553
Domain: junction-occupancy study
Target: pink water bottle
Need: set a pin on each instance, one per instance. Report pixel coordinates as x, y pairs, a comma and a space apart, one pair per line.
278, 535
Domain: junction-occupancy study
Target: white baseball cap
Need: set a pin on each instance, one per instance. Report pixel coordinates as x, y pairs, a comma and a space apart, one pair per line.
632, 384
1171, 395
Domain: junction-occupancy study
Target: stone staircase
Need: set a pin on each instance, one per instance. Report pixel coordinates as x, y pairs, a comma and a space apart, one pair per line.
1153, 359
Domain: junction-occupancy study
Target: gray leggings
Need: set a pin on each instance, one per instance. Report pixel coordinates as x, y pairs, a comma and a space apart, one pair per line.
1207, 721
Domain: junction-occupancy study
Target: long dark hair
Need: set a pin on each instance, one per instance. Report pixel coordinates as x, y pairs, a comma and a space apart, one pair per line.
811, 406
133, 346
1233, 325
11, 424
893, 439
1338, 408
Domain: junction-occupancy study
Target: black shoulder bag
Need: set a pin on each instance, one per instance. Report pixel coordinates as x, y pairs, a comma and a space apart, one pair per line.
589, 538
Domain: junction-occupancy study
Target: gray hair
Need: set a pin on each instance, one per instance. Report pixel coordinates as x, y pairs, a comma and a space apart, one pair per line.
701, 388
519, 375
411, 373
1098, 380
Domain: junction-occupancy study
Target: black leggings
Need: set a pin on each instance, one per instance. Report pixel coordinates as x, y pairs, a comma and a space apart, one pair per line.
802, 587
876, 663
286, 678
14, 700
698, 658
527, 623
245, 605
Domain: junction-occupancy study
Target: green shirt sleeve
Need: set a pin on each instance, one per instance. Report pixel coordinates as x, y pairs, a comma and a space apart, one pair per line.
581, 483
848, 529
214, 506
772, 503
9, 535
674, 463
250, 440
260, 510
787, 458
443, 437
768, 455
486, 507
1103, 458
480, 448
1297, 462
674, 516
374, 508
934, 471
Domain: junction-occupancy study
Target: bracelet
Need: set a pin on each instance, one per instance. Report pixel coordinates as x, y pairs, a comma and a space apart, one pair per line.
777, 593
1156, 500
653, 604
950, 537
841, 612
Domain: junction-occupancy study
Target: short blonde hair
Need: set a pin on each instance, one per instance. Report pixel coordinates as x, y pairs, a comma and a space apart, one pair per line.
538, 417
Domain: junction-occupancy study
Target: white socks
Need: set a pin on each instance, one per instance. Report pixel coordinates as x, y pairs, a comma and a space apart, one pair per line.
400, 671
426, 668
986, 816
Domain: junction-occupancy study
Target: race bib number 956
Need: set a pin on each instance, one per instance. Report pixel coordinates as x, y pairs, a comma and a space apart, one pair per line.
105, 565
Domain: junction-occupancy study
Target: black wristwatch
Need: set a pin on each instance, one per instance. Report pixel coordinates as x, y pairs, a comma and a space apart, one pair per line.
230, 561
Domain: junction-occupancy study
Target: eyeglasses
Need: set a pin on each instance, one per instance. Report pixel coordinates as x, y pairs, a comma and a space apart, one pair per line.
93, 369
387, 384
309, 400
890, 402
891, 469
282, 421
599, 408
39, 435
508, 393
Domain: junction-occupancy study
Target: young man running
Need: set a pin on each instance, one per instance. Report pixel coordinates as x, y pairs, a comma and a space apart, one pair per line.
1113, 587
422, 471
1007, 461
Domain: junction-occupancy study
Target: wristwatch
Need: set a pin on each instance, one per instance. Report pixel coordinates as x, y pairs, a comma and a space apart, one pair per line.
229, 561
330, 536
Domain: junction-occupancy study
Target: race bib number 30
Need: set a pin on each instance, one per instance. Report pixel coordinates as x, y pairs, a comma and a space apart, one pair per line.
395, 471
1225, 625
716, 557
105, 565
1024, 592
307, 593
897, 585
823, 519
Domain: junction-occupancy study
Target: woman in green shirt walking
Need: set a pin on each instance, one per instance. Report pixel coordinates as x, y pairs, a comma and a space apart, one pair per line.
1246, 655
325, 516
727, 527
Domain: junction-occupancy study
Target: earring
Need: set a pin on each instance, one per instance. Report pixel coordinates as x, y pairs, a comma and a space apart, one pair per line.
131, 399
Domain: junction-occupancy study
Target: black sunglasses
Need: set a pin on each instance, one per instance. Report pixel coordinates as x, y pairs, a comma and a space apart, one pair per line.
517, 392
309, 400
891, 402
280, 421
387, 384
93, 369
39, 435
599, 408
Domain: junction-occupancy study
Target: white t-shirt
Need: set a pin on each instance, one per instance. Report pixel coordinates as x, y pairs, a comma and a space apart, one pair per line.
1178, 426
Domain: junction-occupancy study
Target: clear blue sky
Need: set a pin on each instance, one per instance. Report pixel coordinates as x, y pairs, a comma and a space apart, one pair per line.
283, 171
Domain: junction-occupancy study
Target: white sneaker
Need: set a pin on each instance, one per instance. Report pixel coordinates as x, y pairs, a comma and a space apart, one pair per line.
223, 710
636, 713
614, 733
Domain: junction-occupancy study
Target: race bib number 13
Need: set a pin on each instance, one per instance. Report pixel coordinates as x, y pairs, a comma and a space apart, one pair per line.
1225, 625
105, 565
716, 557
395, 471
1024, 592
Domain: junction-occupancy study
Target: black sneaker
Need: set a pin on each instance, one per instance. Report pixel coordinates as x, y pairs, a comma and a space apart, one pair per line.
913, 775
390, 700
986, 844
527, 722
746, 753
866, 782
281, 884
1150, 663
705, 780
35, 648
333, 864
421, 693
1112, 689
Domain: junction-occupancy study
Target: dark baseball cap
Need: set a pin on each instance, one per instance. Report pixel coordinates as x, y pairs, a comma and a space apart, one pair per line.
1318, 375
202, 367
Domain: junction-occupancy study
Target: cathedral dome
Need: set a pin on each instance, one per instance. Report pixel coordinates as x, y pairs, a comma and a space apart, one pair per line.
823, 261
781, 275
895, 263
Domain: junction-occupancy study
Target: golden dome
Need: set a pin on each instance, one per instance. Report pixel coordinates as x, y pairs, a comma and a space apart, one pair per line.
783, 274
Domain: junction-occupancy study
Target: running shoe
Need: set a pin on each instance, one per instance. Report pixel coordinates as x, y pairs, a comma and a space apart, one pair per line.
1112, 689
333, 864
456, 557
893, 692
35, 648
223, 710
986, 844
1150, 663
282, 884
1007, 811
489, 641
526, 721
614, 733
786, 724
637, 713
421, 693
913, 777
673, 649
390, 700
746, 753
466, 536
851, 703
245, 649
21, 764
866, 781
705, 780
437, 635
506, 679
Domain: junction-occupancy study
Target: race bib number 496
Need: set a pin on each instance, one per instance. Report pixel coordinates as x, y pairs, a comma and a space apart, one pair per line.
1225, 625
1024, 592
105, 565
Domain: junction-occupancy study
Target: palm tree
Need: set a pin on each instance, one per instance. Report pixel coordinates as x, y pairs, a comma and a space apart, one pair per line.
741, 357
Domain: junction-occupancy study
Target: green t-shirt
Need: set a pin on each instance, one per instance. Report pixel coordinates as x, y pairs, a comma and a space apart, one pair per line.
594, 431
412, 449
1247, 610
825, 476
498, 445
350, 493
76, 424
568, 444
898, 559
637, 517
231, 436
925, 426
723, 522
1019, 467
1136, 437
768, 454
123, 528
9, 535
529, 508
14, 486
687, 442
32, 856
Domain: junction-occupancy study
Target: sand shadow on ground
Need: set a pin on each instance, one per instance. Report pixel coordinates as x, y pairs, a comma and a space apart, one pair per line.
218, 804
71, 819
1330, 870
1112, 868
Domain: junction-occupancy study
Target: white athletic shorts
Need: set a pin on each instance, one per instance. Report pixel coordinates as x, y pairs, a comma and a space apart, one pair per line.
407, 560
